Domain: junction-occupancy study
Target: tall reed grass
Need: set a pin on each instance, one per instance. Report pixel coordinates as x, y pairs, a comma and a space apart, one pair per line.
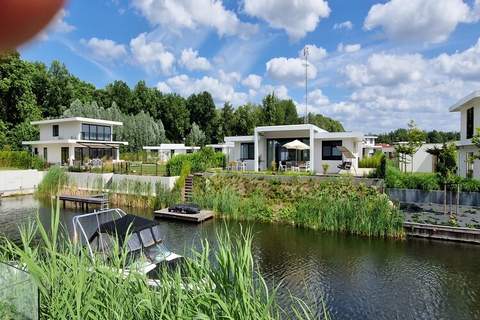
338, 205
73, 286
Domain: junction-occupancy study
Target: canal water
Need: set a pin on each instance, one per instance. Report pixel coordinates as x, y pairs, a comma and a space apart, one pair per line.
356, 278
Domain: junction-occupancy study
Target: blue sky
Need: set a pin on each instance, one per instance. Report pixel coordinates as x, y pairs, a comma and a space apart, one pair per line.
373, 65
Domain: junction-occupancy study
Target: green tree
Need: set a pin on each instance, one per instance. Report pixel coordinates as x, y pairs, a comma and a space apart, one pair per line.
119, 92
195, 137
325, 123
146, 99
246, 118
227, 119
202, 111
175, 116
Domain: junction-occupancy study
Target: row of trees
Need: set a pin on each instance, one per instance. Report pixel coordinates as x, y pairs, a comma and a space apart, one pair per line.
32, 91
434, 136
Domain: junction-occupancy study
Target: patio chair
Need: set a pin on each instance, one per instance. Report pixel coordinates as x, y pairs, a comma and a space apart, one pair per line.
242, 166
281, 166
305, 166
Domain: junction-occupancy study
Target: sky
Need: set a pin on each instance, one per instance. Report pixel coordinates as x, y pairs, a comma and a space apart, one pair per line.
373, 65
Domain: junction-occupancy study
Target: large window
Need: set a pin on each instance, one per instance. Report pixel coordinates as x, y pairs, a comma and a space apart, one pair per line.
330, 151
247, 151
96, 132
81, 154
55, 130
469, 123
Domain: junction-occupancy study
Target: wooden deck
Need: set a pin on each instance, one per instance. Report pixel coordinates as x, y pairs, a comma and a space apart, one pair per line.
84, 201
197, 218
442, 232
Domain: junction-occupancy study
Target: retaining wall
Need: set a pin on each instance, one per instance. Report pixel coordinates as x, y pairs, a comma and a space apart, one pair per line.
435, 196
19, 181
167, 182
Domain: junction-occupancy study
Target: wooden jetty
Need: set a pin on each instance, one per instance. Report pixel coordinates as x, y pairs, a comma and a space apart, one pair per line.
197, 218
442, 232
84, 201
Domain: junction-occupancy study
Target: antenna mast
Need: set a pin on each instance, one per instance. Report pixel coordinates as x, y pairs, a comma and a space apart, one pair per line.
305, 54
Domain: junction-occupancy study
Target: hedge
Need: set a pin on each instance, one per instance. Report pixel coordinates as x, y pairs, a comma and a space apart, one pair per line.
20, 160
199, 161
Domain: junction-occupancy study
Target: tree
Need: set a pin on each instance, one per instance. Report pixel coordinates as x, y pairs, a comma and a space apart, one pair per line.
415, 139
196, 137
325, 123
246, 118
120, 92
202, 111
227, 119
173, 113
145, 98
59, 92
446, 160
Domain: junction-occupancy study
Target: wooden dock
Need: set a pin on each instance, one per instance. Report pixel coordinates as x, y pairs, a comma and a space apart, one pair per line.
84, 201
196, 218
442, 232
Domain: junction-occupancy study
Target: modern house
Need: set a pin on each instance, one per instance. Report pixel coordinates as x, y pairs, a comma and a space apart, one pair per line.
422, 161
63, 141
369, 147
469, 108
265, 147
165, 151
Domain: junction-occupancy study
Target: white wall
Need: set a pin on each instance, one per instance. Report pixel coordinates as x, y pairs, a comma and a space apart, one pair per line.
463, 121
422, 160
462, 162
54, 154
66, 130
19, 181
350, 144
167, 182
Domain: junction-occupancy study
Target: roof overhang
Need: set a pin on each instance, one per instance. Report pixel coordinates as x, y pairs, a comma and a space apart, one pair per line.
468, 101
73, 141
356, 136
171, 146
239, 139
292, 127
78, 119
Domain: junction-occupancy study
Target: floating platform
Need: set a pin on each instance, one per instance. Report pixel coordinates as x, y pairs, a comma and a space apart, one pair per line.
197, 218
442, 232
84, 201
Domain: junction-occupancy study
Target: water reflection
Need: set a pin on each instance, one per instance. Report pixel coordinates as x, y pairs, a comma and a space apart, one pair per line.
357, 278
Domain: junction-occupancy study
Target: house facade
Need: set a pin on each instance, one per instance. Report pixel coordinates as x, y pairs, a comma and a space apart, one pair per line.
68, 140
264, 149
469, 108
165, 151
369, 146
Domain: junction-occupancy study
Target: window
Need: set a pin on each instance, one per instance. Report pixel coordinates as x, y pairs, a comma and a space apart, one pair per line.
55, 130
470, 123
330, 151
95, 132
35, 151
45, 154
247, 151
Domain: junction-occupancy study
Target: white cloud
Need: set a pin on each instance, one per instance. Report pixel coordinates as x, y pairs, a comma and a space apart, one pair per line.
290, 70
315, 54
221, 92
317, 98
347, 25
57, 25
252, 81
297, 17
429, 21
152, 55
190, 60
464, 65
229, 77
191, 14
386, 70
163, 87
104, 49
348, 48
280, 91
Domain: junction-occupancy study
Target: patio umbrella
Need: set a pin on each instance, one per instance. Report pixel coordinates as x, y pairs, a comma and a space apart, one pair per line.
296, 145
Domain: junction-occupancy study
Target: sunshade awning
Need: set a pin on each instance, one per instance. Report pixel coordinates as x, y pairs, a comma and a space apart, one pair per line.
296, 145
346, 153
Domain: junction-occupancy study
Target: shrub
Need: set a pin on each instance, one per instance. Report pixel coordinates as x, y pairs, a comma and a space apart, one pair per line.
20, 160
53, 182
200, 161
371, 162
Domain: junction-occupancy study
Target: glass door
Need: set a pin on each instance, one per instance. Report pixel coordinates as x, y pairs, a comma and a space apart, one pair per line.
65, 154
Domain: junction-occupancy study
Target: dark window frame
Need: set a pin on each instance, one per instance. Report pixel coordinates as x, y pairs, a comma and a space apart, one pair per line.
328, 148
470, 123
250, 151
45, 153
55, 130
96, 132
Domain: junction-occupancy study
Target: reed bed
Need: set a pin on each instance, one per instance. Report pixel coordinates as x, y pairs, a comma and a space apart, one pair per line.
338, 205
73, 286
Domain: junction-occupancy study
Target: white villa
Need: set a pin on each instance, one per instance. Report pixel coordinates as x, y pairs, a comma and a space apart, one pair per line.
469, 108
167, 150
63, 141
265, 147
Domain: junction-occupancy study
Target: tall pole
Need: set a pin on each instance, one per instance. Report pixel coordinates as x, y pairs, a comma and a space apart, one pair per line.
305, 54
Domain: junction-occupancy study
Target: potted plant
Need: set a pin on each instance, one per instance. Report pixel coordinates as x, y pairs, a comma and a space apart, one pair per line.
325, 167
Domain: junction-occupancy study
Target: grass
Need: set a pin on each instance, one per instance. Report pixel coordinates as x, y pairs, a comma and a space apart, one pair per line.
335, 205
372, 161
73, 286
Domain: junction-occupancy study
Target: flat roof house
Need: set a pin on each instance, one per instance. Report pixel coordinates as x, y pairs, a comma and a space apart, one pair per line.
167, 150
63, 141
266, 146
469, 108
